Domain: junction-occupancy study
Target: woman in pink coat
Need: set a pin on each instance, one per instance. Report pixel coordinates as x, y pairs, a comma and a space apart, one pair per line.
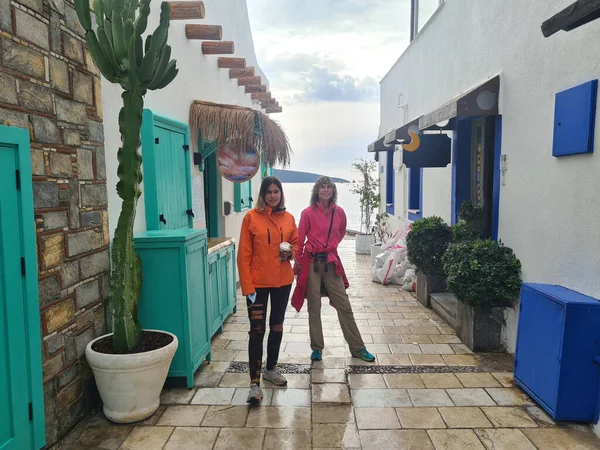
322, 227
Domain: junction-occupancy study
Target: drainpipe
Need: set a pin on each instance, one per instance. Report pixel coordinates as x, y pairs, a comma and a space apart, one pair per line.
414, 17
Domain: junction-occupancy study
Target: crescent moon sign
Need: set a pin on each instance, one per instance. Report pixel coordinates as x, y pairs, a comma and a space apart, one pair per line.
414, 144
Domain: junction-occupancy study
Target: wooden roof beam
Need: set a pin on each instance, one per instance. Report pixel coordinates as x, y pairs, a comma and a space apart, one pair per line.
241, 73
261, 96
275, 110
231, 63
249, 81
203, 32
187, 10
251, 89
218, 48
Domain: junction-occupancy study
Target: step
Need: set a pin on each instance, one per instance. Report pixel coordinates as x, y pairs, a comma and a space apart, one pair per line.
445, 304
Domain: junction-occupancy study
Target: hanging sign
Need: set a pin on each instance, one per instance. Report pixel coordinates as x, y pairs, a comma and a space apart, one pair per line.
237, 167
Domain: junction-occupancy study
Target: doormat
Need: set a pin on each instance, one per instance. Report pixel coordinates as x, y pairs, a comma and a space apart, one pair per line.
242, 367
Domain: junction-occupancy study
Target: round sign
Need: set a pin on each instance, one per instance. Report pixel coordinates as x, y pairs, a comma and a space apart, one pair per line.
237, 167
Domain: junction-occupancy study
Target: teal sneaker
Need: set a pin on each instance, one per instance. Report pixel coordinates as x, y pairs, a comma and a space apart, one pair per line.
316, 355
364, 355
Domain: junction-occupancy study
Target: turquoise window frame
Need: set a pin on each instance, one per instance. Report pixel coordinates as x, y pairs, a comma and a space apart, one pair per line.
149, 121
19, 138
238, 193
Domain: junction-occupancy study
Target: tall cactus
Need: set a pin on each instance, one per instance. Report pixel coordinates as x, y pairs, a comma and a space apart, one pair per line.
118, 50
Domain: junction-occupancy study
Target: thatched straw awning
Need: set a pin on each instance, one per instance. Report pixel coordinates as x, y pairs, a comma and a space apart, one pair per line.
241, 128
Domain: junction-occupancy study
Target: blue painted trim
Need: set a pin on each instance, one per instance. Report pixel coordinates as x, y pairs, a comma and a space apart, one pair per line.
19, 138
415, 178
390, 183
496, 192
461, 165
151, 120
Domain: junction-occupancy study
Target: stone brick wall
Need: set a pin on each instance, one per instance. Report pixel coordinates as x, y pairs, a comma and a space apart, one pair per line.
49, 85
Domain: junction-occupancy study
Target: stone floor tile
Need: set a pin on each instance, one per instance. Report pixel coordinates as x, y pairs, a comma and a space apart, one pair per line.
410, 323
374, 398
376, 419
218, 366
233, 327
394, 360
182, 416
335, 435
333, 414
509, 396
352, 361
106, 437
239, 439
294, 381
504, 378
336, 352
429, 397
144, 438
387, 339
427, 360
328, 376
440, 380
470, 397
205, 378
417, 339
379, 349
234, 335
213, 396
279, 417
224, 343
291, 397
562, 439
477, 380
192, 438
445, 339
464, 417
371, 330
330, 393
461, 349
367, 381
229, 380
460, 360
405, 349
416, 315
330, 363
298, 347
507, 417
381, 322
181, 396
288, 440
542, 417
424, 330
455, 440
241, 395
427, 418
395, 440
504, 439
436, 349
223, 355
225, 416
397, 330
403, 380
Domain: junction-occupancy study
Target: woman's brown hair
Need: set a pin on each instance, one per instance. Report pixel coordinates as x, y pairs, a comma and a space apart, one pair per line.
261, 203
314, 196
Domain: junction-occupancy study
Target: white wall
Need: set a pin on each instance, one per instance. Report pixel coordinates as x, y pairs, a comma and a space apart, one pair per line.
436, 195
549, 211
199, 78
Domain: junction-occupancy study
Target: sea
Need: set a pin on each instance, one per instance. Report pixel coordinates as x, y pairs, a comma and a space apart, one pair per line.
297, 197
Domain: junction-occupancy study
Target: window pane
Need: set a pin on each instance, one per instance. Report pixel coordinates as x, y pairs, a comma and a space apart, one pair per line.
426, 8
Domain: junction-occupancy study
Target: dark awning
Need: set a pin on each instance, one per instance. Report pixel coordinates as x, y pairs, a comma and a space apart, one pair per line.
480, 101
377, 146
573, 16
432, 150
391, 138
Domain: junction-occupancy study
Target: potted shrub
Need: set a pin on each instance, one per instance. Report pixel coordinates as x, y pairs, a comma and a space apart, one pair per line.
381, 232
130, 365
485, 277
472, 216
369, 200
426, 244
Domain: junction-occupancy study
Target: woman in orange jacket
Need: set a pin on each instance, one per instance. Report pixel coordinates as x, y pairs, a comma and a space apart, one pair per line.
268, 241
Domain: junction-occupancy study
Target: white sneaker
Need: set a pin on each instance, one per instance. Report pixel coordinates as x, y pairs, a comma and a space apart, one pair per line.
275, 377
255, 395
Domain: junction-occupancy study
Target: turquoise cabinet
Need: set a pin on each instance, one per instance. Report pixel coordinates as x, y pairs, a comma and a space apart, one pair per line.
174, 293
222, 288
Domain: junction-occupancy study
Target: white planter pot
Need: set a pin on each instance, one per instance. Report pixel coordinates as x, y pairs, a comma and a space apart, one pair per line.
130, 385
375, 250
363, 244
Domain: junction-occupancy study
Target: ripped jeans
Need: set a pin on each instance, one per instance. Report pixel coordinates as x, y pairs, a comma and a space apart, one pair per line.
257, 313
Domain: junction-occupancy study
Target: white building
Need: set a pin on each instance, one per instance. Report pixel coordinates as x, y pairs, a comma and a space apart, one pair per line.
486, 74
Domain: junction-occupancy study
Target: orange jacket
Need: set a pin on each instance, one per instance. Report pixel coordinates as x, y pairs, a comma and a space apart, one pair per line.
258, 255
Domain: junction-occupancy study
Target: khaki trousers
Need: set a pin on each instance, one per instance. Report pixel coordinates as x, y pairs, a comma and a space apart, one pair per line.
337, 294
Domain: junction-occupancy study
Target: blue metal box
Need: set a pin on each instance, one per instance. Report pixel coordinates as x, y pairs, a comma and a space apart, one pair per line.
557, 343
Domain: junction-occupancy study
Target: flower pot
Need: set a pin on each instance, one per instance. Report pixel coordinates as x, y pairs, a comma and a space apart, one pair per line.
363, 243
130, 384
375, 250
428, 284
480, 329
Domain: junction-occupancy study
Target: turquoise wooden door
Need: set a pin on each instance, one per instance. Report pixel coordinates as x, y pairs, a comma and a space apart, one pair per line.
15, 425
214, 311
199, 322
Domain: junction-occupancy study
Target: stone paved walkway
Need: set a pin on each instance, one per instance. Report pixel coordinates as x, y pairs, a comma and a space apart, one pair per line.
426, 390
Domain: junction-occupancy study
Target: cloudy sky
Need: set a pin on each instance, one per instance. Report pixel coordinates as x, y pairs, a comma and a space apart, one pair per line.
324, 60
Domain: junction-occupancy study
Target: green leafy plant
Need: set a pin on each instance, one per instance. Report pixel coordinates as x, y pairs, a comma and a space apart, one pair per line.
365, 188
470, 212
381, 229
462, 232
483, 273
119, 52
426, 244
